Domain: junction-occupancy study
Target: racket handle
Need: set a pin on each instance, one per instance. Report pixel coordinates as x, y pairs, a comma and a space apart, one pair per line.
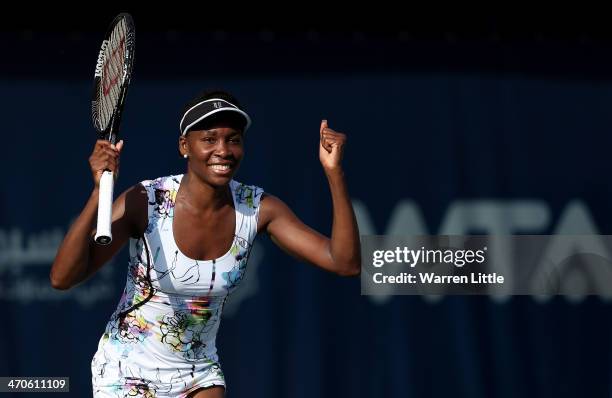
105, 207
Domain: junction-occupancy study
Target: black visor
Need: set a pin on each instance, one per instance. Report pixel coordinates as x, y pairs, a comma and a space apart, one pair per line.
204, 109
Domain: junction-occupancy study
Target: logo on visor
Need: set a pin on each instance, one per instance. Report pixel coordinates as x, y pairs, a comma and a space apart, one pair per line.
217, 105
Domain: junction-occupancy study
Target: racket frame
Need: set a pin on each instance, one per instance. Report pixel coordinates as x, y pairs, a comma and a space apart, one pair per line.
103, 234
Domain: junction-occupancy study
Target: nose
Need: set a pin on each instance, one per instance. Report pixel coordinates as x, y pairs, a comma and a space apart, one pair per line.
222, 149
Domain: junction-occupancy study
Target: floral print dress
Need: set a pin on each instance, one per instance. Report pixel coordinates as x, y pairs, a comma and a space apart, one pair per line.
160, 341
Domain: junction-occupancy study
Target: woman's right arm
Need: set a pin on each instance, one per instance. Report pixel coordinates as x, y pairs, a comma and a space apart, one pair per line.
78, 256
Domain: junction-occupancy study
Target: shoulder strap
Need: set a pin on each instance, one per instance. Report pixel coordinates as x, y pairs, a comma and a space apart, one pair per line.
161, 194
246, 198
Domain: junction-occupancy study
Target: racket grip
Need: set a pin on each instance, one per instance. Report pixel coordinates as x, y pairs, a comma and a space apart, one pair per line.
105, 207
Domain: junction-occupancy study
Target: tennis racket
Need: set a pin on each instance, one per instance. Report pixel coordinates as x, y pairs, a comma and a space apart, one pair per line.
111, 81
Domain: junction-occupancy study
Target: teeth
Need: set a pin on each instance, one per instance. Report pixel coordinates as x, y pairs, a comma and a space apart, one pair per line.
220, 167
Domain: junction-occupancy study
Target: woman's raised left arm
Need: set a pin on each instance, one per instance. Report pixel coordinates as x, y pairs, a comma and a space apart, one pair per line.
340, 253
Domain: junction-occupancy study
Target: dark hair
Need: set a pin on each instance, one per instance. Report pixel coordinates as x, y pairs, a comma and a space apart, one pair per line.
208, 94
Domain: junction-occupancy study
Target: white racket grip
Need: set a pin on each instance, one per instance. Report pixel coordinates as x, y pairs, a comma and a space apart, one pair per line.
105, 207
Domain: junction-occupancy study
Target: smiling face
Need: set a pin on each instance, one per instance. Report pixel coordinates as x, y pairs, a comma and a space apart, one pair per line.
214, 148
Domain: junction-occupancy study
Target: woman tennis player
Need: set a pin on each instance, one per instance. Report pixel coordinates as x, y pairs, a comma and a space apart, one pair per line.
190, 236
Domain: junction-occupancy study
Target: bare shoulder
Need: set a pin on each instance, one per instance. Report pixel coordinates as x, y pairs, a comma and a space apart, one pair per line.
135, 203
129, 219
271, 207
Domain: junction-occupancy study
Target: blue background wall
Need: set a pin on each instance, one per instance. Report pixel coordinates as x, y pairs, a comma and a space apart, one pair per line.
434, 127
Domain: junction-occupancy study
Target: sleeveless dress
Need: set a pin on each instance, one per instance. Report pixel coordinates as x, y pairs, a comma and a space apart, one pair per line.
160, 341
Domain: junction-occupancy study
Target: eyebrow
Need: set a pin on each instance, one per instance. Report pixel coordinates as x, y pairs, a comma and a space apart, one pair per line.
215, 132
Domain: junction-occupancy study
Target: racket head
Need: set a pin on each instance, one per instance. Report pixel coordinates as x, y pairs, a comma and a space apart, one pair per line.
112, 76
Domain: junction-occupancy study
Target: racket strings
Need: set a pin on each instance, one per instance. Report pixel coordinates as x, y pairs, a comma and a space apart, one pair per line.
114, 67
112, 74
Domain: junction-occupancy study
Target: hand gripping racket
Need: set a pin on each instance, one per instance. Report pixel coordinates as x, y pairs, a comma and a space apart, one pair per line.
111, 81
